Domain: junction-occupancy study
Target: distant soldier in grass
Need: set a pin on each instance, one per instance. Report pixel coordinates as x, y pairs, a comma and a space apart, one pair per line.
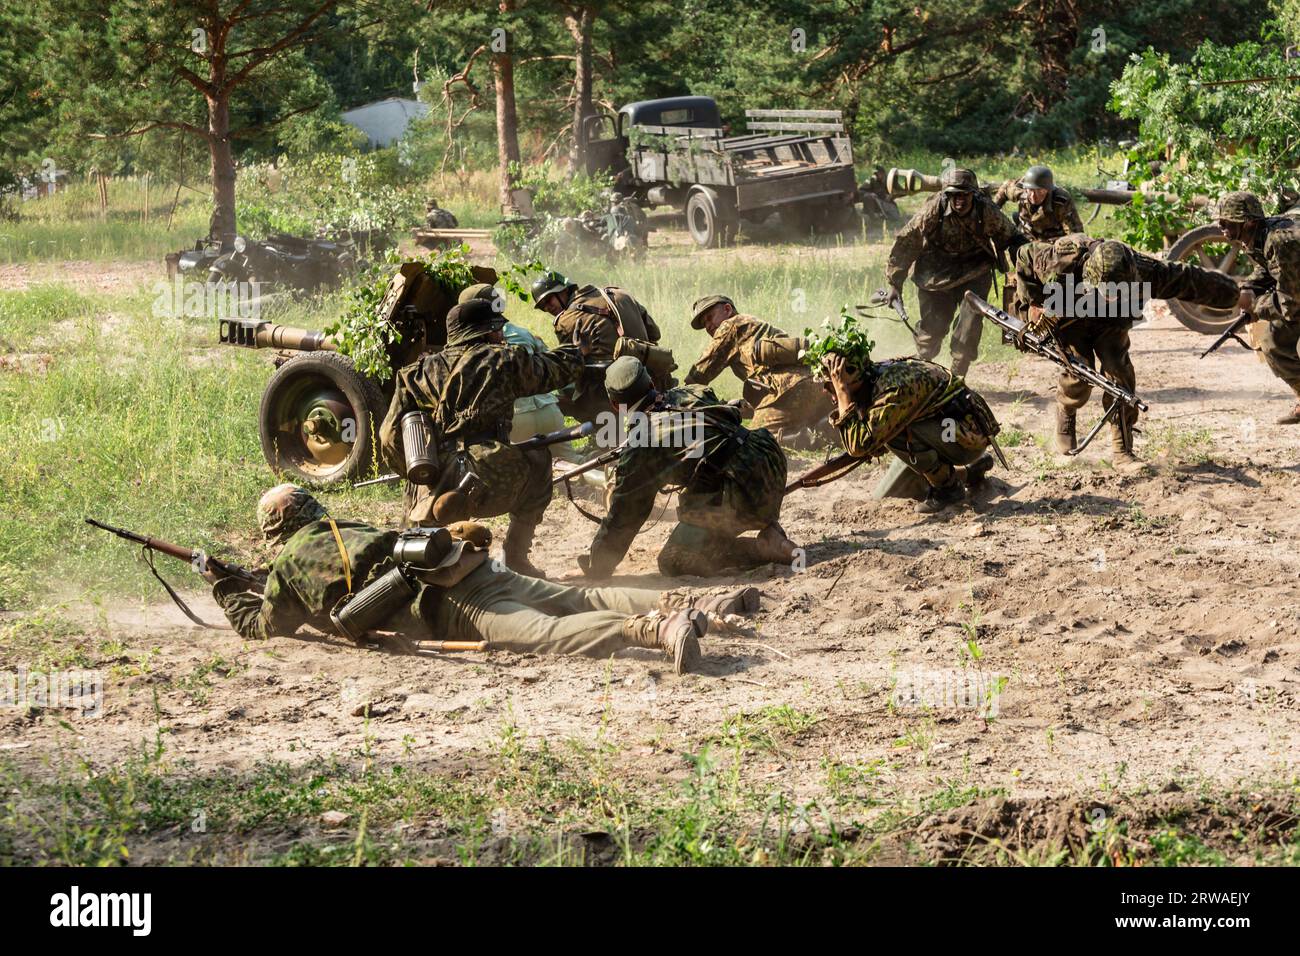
1088, 292
729, 480
786, 399
1272, 292
950, 246
323, 565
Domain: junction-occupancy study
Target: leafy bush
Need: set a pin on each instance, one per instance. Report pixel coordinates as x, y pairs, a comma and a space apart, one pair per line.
1219, 136
554, 195
327, 193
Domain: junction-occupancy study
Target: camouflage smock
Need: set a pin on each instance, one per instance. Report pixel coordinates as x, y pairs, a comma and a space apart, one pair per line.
306, 580
735, 486
1276, 254
1054, 218
734, 346
948, 249
1041, 263
902, 391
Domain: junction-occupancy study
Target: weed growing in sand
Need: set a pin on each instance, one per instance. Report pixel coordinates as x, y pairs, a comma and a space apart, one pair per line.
763, 729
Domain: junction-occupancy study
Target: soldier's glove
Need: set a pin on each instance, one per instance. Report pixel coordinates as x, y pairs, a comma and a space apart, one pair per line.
473, 532
893, 296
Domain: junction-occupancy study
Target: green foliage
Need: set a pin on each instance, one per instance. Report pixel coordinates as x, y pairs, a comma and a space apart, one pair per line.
557, 195
1219, 135
365, 336
327, 193
846, 338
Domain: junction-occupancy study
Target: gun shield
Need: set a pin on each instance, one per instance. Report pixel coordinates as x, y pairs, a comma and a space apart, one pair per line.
417, 441
373, 605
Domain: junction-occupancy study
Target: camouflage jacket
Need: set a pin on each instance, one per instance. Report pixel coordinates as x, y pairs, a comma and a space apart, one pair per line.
948, 249
1055, 218
734, 346
588, 310
306, 580
1040, 266
899, 392
1276, 254
726, 473
470, 391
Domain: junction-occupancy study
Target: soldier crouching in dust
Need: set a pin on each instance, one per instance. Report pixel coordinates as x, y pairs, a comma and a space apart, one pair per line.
923, 413
787, 401
468, 391
350, 578
731, 480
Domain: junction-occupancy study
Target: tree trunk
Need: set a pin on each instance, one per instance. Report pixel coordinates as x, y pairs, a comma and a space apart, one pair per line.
503, 70
580, 28
222, 225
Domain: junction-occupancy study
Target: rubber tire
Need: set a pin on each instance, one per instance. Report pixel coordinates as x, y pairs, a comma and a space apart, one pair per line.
708, 221
364, 396
1180, 311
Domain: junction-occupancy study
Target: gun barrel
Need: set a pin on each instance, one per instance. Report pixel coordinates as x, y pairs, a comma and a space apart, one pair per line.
1012, 326
153, 544
559, 435
252, 334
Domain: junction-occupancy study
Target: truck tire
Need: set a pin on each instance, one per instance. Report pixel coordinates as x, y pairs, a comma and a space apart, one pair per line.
319, 419
709, 219
1207, 247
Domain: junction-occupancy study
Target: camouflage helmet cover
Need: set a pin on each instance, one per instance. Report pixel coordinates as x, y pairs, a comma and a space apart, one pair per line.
1110, 262
627, 381
1239, 207
958, 180
485, 291
1038, 177
286, 509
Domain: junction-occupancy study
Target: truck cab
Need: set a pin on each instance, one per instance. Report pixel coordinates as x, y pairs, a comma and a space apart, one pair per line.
606, 136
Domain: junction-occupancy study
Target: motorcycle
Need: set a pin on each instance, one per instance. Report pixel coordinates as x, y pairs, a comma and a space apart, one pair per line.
309, 265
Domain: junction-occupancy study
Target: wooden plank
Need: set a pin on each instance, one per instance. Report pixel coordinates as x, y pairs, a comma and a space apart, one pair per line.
800, 127
691, 132
802, 114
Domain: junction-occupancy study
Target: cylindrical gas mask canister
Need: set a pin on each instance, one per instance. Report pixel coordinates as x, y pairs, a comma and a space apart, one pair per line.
373, 605
417, 441
422, 547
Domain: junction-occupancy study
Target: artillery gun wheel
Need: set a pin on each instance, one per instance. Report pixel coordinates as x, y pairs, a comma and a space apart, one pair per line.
319, 419
1207, 247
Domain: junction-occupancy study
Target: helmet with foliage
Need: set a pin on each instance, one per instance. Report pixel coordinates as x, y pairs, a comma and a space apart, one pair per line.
1239, 207
549, 284
1038, 177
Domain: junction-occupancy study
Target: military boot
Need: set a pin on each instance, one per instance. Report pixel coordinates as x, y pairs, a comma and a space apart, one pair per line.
1066, 438
960, 365
677, 635
940, 497
733, 601
1122, 451
519, 541
1292, 417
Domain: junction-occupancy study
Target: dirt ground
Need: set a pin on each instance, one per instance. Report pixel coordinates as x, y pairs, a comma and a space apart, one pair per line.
1142, 629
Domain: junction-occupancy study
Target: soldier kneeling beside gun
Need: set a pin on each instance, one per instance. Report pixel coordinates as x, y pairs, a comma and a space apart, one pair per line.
356, 579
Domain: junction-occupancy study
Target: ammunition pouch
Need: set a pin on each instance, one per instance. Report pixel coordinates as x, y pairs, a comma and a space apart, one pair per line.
659, 361
971, 403
779, 350
373, 605
418, 445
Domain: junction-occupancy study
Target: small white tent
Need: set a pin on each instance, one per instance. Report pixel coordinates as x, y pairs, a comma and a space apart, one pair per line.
384, 121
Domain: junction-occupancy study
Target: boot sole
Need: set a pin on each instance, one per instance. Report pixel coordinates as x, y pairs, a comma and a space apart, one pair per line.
686, 658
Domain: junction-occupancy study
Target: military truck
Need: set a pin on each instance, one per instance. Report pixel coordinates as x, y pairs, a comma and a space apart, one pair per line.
676, 152
319, 416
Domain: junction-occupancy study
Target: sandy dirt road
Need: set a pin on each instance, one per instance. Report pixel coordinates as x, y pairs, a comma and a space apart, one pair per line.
1139, 630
